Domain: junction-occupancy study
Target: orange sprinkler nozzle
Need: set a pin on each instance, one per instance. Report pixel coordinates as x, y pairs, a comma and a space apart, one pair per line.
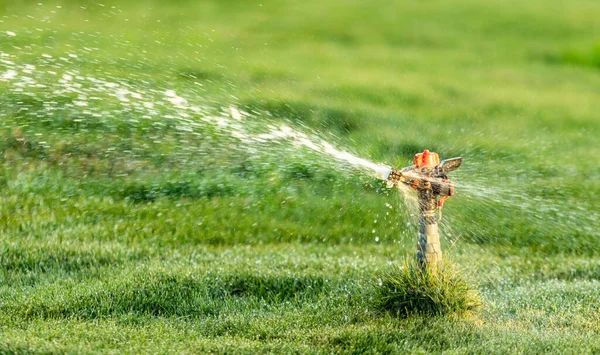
427, 159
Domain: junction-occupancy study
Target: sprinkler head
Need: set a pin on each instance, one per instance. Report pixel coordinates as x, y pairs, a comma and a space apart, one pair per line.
428, 177
428, 173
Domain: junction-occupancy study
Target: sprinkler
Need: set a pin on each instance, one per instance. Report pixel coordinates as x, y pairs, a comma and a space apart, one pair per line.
428, 177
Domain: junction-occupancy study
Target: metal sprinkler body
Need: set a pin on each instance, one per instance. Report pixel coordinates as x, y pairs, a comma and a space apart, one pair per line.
428, 177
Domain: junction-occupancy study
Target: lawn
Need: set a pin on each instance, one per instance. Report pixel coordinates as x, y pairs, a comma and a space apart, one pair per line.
132, 221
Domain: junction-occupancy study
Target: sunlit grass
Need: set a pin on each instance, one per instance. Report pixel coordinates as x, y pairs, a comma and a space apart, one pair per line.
121, 232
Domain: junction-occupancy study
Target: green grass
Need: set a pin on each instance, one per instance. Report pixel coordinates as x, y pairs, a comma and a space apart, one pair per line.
123, 233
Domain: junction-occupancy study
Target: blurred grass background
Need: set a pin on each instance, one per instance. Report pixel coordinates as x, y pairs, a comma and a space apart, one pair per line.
113, 240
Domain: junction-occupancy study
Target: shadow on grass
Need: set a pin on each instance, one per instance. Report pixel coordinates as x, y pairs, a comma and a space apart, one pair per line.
167, 295
584, 57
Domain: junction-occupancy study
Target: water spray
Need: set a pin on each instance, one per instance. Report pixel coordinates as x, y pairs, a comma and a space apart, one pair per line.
428, 177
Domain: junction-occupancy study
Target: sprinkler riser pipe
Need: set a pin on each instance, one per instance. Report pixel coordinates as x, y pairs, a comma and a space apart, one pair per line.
429, 248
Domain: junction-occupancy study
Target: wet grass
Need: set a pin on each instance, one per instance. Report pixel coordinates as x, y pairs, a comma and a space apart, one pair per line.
123, 231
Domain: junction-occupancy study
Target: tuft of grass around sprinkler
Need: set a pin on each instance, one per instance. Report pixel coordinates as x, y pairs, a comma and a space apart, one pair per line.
410, 289
426, 284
